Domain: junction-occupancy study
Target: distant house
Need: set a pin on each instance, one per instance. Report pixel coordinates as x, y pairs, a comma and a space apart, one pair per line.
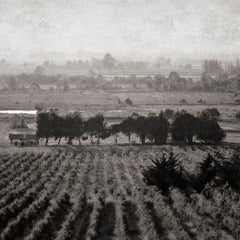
23, 137
17, 121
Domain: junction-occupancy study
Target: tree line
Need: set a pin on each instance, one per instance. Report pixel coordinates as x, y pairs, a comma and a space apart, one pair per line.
152, 129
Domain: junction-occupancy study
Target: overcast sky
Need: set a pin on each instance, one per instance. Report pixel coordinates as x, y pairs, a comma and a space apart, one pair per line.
125, 28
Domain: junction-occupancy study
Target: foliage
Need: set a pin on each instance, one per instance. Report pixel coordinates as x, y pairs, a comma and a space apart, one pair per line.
184, 127
210, 131
165, 173
210, 113
127, 127
114, 130
96, 127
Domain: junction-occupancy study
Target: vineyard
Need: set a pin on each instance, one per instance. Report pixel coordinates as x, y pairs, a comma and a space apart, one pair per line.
88, 193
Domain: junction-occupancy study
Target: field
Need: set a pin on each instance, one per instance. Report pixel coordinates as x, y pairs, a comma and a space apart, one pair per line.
106, 102
99, 193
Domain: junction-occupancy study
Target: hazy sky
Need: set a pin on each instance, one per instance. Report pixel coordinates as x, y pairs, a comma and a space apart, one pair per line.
125, 28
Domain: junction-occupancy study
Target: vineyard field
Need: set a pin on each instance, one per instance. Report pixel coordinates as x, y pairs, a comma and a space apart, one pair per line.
94, 193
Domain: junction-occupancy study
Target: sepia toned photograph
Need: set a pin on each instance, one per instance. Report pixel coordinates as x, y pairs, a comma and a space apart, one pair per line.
119, 120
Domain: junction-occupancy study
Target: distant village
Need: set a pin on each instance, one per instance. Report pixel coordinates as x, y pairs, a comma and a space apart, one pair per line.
111, 74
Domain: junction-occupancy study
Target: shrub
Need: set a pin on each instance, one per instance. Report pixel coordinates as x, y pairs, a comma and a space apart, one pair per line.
165, 173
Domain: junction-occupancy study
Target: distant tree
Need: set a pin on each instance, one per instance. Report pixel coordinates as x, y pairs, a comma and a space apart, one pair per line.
11, 83
108, 61
115, 129
184, 127
127, 127
46, 64
129, 101
65, 86
39, 70
39, 106
210, 131
159, 80
96, 127
183, 101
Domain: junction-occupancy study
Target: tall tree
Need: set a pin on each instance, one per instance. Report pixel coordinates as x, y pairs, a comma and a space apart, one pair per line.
127, 127
44, 129
115, 129
140, 128
96, 127
184, 127
162, 129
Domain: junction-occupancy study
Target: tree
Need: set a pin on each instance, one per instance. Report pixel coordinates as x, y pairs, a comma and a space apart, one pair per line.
157, 129
65, 86
210, 131
115, 129
165, 173
140, 128
184, 127
11, 83
39, 70
210, 113
127, 127
129, 102
73, 127
161, 133
96, 127
58, 131
108, 61
39, 106
44, 129
151, 125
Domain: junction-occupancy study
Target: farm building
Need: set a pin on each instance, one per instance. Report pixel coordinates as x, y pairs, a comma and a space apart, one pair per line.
23, 137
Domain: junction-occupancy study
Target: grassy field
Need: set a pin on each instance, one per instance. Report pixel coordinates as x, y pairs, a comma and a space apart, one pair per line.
106, 102
99, 193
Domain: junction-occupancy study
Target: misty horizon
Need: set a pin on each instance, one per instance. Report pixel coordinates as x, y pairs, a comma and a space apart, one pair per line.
129, 30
